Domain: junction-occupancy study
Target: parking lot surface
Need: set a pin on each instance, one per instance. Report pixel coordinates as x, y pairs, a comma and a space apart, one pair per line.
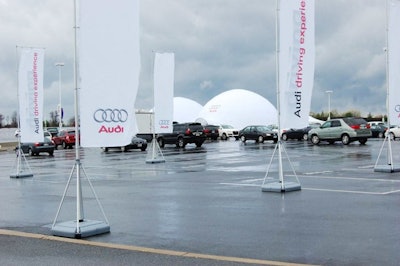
209, 201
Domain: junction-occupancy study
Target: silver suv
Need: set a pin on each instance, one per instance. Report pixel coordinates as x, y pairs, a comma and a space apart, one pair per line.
347, 130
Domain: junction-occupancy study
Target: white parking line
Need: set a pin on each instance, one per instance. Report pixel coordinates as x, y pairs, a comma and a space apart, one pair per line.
353, 191
317, 173
246, 183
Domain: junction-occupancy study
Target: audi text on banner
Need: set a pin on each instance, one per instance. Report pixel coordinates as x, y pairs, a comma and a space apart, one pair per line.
30, 94
164, 66
296, 61
109, 66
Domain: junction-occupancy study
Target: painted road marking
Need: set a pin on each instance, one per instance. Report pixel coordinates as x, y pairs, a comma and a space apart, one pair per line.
148, 250
246, 183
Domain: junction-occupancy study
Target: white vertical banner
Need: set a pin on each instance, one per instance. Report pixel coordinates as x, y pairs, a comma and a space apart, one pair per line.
109, 66
30, 94
393, 58
296, 61
164, 69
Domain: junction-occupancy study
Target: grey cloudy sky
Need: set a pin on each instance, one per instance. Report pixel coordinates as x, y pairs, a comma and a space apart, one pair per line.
218, 44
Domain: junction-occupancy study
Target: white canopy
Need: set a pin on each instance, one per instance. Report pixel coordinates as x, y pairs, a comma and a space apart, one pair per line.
185, 110
238, 108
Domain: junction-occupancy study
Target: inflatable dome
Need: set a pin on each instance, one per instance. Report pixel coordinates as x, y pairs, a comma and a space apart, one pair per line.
238, 108
185, 110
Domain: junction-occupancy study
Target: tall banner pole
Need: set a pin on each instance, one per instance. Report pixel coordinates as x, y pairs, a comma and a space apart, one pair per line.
295, 50
164, 67
80, 227
392, 80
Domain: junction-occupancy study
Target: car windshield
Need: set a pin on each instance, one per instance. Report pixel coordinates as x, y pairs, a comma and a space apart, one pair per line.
227, 126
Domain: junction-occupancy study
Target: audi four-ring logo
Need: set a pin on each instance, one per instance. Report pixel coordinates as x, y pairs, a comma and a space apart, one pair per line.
110, 115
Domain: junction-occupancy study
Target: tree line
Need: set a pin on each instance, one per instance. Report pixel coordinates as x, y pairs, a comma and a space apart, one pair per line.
351, 113
12, 122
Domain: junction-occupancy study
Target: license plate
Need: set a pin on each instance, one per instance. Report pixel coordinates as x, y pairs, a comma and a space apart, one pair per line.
197, 134
139, 145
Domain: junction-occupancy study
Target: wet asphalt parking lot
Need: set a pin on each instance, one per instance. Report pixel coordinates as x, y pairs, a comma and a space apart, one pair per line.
208, 200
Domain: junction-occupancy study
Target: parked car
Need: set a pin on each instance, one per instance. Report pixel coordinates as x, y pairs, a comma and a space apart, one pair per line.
273, 127
375, 123
228, 131
299, 133
394, 132
52, 130
183, 134
378, 131
258, 133
211, 131
35, 148
347, 130
136, 143
65, 138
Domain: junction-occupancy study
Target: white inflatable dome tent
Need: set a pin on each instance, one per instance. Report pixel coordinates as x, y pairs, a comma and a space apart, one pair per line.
238, 108
186, 110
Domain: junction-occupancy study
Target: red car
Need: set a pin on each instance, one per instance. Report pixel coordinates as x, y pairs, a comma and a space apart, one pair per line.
65, 138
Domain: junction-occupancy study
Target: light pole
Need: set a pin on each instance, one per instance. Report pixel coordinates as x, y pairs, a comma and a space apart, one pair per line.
329, 104
59, 65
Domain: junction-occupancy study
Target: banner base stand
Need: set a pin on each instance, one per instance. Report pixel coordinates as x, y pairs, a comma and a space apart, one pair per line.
21, 164
20, 175
155, 160
156, 155
278, 184
277, 187
388, 168
86, 228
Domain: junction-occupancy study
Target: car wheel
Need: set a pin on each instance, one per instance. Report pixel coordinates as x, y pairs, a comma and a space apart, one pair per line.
143, 148
284, 137
65, 146
198, 144
161, 142
392, 136
380, 135
224, 137
363, 141
51, 153
345, 139
105, 149
305, 136
180, 143
31, 153
260, 139
124, 149
243, 138
314, 139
